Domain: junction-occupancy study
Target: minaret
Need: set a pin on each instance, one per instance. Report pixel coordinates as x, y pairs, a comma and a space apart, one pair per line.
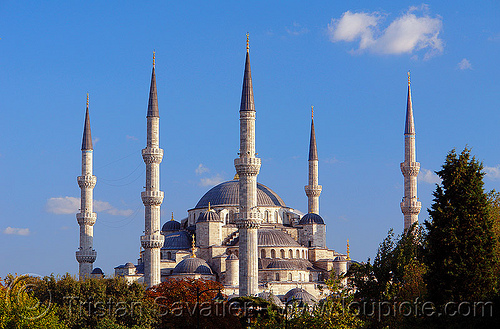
410, 206
152, 197
247, 166
85, 254
313, 190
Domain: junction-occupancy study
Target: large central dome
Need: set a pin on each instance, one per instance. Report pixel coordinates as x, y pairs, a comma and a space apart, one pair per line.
228, 193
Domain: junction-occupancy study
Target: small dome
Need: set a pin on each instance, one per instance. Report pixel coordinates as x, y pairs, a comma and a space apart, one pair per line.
311, 218
192, 266
171, 225
97, 270
177, 240
129, 265
300, 294
208, 216
228, 194
232, 257
285, 264
271, 298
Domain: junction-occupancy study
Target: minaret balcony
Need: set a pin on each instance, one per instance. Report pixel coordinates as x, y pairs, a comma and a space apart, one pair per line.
411, 207
247, 166
152, 241
86, 256
410, 168
313, 190
152, 198
86, 218
152, 155
87, 181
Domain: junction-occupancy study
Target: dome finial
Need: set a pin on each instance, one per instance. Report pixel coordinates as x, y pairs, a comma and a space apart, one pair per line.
248, 42
172, 215
154, 58
209, 206
236, 176
87, 101
312, 112
408, 77
348, 257
193, 247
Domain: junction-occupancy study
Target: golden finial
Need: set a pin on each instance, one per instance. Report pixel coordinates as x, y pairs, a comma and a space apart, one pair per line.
348, 257
408, 78
87, 100
193, 247
248, 43
172, 215
236, 176
154, 58
209, 206
312, 112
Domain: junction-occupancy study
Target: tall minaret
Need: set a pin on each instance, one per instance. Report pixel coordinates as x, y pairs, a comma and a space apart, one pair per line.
410, 206
313, 190
152, 197
247, 167
85, 254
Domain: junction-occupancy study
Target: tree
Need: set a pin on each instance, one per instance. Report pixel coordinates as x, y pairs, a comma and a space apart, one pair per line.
460, 240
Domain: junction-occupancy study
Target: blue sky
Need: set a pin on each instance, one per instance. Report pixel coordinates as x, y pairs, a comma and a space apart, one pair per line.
348, 59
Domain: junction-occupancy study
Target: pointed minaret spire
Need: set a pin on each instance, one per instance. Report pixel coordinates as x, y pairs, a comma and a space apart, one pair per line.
87, 136
313, 190
247, 167
86, 255
410, 206
409, 124
153, 98
247, 103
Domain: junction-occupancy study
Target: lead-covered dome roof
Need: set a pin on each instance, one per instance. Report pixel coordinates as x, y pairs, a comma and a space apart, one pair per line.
300, 294
273, 238
228, 193
311, 218
177, 240
171, 225
208, 216
192, 265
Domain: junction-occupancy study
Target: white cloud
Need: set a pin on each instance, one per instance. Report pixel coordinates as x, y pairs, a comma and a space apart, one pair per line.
71, 205
492, 172
464, 64
296, 29
406, 34
201, 169
428, 176
17, 231
95, 140
133, 138
211, 181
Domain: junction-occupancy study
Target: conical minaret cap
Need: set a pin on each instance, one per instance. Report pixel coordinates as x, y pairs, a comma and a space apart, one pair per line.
409, 124
153, 98
247, 92
87, 136
313, 150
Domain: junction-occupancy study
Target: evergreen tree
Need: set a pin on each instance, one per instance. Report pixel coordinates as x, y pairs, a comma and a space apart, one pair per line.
460, 240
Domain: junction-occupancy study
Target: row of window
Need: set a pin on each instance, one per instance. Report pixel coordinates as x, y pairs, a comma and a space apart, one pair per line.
282, 253
302, 277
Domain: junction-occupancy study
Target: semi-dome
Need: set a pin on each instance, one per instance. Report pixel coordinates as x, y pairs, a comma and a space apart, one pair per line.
208, 216
311, 218
171, 225
97, 270
228, 193
177, 240
129, 265
273, 238
271, 298
192, 265
285, 264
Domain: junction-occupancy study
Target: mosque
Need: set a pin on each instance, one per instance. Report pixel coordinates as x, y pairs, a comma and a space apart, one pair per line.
240, 232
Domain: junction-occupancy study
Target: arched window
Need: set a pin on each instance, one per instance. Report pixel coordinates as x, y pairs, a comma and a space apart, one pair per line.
289, 276
275, 216
297, 254
303, 254
266, 216
282, 252
263, 253
300, 276
227, 218
290, 253
169, 255
273, 253
310, 277
277, 276
237, 253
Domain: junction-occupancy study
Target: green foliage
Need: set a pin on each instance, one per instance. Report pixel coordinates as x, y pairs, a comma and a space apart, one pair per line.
460, 241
